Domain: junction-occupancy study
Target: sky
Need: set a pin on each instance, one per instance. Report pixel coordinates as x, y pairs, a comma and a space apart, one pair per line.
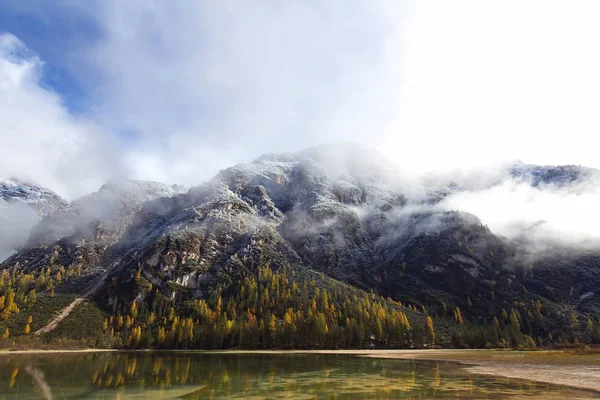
175, 91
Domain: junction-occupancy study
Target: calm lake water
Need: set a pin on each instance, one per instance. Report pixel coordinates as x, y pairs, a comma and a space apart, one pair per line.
170, 375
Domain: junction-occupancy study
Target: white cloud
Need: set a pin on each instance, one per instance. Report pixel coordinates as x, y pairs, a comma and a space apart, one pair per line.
39, 140
209, 84
198, 86
434, 85
494, 81
195, 86
516, 209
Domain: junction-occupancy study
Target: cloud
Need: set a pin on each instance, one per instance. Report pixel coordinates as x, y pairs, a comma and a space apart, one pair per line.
16, 221
434, 85
198, 86
40, 140
517, 210
487, 82
190, 87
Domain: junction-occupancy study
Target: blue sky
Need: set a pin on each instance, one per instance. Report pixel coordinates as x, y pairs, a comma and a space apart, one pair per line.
52, 32
174, 91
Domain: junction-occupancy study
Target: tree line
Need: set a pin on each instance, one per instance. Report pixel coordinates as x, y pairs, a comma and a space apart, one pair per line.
270, 309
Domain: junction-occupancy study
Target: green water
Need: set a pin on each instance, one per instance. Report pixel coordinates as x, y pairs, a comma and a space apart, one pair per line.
175, 375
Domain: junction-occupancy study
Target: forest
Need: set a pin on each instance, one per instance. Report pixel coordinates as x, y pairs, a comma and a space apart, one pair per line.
285, 309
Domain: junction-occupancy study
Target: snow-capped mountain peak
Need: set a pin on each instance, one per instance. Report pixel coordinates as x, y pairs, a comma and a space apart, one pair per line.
14, 191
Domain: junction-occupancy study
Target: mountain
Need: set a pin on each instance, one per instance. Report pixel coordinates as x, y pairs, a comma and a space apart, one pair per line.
559, 176
13, 191
22, 205
79, 233
327, 243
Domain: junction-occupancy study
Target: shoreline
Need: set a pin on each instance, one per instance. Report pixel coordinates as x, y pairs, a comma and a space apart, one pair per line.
547, 366
57, 351
554, 367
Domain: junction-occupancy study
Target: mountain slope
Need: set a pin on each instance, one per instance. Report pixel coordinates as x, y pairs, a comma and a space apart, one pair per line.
22, 205
78, 234
199, 257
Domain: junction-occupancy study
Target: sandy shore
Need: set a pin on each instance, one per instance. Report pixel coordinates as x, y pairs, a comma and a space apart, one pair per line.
583, 377
555, 367
50, 351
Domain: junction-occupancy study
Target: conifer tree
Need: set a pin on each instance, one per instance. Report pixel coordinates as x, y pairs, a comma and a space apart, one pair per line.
430, 330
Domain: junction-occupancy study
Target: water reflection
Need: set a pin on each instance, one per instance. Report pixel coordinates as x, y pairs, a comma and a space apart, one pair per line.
216, 376
39, 380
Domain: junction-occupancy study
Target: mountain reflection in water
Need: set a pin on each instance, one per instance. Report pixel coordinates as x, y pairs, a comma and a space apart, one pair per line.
212, 375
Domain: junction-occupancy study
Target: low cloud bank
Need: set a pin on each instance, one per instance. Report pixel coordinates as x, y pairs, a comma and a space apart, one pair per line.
566, 214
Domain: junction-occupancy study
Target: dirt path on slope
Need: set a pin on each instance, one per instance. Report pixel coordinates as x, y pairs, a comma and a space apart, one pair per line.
67, 310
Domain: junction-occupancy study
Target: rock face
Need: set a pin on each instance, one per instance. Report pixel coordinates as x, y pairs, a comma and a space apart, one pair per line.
340, 211
351, 221
562, 175
22, 205
44, 201
80, 232
287, 209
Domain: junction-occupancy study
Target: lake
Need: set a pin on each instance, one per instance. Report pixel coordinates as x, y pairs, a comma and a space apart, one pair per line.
214, 375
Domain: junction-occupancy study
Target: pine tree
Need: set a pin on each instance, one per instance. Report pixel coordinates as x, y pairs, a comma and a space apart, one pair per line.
430, 330
31, 296
574, 321
161, 336
133, 310
589, 330
136, 335
514, 320
458, 316
272, 328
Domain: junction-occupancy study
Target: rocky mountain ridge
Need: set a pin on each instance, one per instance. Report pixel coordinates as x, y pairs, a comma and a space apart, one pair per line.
22, 206
14, 191
86, 227
342, 213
